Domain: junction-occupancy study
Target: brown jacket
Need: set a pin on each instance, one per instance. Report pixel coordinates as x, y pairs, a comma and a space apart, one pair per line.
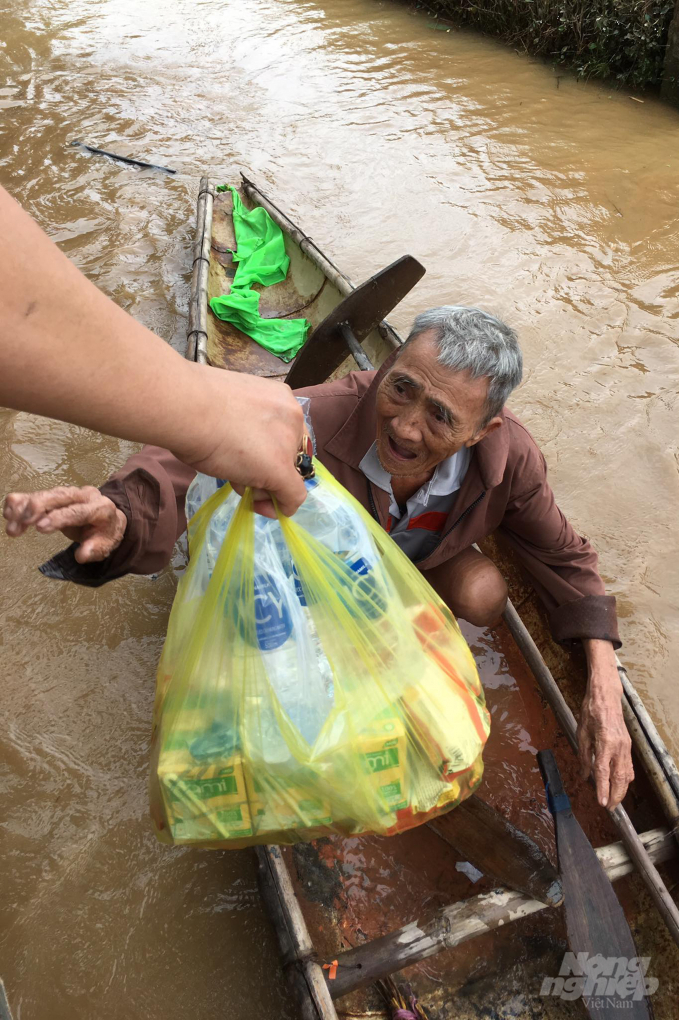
505, 487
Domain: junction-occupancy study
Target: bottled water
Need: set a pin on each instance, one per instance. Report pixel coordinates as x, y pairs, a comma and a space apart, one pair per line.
284, 633
199, 491
295, 664
330, 521
218, 528
263, 738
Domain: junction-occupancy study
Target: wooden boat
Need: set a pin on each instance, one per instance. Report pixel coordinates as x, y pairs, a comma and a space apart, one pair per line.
376, 905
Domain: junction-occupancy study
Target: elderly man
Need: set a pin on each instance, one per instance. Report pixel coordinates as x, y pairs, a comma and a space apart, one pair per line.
427, 445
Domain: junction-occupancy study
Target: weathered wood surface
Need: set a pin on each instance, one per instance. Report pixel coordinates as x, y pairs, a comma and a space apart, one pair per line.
357, 352
227, 346
652, 878
653, 738
307, 244
463, 921
652, 767
498, 849
595, 921
362, 309
303, 970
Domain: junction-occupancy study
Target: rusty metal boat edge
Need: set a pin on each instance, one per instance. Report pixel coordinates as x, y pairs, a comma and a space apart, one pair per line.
315, 285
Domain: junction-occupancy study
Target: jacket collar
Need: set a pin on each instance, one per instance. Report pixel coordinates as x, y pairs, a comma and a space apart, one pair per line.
355, 437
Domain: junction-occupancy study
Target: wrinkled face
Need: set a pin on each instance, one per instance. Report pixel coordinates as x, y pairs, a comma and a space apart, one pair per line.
426, 412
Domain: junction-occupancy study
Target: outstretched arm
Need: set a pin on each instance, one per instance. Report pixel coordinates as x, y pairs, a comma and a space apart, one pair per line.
564, 569
129, 525
68, 352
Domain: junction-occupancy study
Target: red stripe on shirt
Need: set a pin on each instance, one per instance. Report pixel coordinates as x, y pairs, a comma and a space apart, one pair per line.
432, 521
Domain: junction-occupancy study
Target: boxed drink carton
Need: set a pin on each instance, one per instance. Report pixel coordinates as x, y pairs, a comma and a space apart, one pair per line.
285, 806
204, 801
381, 748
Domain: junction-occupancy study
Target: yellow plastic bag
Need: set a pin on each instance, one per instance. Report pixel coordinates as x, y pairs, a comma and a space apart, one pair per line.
311, 682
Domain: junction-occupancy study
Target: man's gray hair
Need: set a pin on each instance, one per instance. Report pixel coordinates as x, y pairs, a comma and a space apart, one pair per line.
475, 341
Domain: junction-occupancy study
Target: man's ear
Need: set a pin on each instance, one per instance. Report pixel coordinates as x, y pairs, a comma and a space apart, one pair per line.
493, 424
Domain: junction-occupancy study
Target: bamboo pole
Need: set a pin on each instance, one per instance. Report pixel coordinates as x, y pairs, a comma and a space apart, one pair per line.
451, 926
650, 731
652, 767
314, 253
307, 244
654, 883
197, 332
296, 945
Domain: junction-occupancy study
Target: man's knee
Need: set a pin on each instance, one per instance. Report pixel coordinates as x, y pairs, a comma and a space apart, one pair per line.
482, 595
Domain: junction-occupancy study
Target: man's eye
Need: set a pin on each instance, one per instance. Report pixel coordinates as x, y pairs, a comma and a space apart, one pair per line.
400, 389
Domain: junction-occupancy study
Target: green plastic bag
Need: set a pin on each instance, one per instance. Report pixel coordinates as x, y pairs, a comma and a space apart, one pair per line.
260, 258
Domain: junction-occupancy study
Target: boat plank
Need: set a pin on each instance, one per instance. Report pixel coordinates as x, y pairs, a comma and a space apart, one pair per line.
463, 921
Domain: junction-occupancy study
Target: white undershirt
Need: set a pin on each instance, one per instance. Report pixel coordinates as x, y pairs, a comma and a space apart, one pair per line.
447, 479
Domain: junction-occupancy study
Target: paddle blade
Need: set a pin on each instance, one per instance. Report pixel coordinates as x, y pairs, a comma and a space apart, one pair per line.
596, 925
362, 310
598, 933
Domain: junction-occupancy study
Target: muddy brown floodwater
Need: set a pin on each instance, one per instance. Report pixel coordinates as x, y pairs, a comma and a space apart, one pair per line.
550, 202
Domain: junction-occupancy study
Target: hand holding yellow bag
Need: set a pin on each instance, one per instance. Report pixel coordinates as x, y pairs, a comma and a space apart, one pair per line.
311, 681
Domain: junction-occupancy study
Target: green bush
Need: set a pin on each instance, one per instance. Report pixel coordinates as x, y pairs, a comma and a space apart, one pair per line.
623, 39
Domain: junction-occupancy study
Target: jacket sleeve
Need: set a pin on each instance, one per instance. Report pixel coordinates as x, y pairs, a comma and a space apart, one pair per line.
150, 489
562, 565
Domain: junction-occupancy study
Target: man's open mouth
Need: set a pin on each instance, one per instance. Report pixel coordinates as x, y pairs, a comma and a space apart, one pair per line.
400, 452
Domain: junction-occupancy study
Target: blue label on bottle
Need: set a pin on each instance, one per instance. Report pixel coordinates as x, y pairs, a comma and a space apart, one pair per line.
272, 614
299, 590
365, 597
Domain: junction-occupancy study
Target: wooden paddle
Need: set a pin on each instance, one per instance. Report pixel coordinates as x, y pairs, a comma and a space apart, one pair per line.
349, 323
595, 921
